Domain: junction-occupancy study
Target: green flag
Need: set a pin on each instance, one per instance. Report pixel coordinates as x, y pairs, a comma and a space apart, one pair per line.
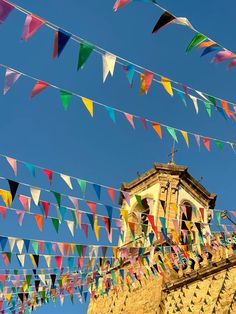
208, 108
172, 133
84, 53
139, 201
197, 39
65, 98
219, 144
58, 198
55, 222
212, 100
28, 279
82, 185
35, 246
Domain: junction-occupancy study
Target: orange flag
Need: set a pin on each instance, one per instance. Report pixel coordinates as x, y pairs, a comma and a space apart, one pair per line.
39, 221
157, 128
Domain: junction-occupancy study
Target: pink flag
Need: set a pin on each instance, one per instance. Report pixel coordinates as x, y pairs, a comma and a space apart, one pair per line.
232, 64
25, 201
176, 225
130, 118
126, 196
38, 87
92, 206
183, 207
10, 78
144, 122
197, 137
32, 24
20, 215
74, 201
13, 164
5, 10
111, 193
119, 4
85, 229
223, 55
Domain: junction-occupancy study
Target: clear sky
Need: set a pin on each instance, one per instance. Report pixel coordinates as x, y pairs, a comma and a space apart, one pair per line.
41, 132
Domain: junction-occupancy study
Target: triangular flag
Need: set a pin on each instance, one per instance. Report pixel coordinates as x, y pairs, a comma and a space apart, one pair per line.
157, 128
197, 137
165, 19
13, 188
65, 98
139, 200
219, 144
129, 70
35, 195
97, 189
109, 62
129, 117
111, 193
85, 229
20, 245
13, 163
67, 180
226, 107
207, 142
84, 53
92, 206
20, 215
31, 168
126, 196
48, 260
48, 174
6, 197
111, 113
167, 85
3, 212
194, 99
185, 135
88, 104
25, 201
208, 108
5, 10
32, 24
55, 222
197, 39
38, 88
74, 201
11, 76
82, 184
71, 225
144, 122
223, 55
202, 213
58, 260
45, 206
34, 259
21, 259
11, 242
57, 197
172, 133
119, 4
61, 38
183, 21
39, 221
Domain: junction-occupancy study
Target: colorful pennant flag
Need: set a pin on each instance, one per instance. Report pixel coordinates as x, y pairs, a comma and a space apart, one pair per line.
11, 76
61, 38
119, 4
157, 128
5, 10
13, 163
109, 62
84, 53
165, 19
67, 180
38, 88
130, 118
172, 133
197, 39
167, 85
65, 98
48, 173
88, 104
32, 24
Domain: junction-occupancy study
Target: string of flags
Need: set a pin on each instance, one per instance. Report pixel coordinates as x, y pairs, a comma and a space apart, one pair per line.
109, 60
199, 40
157, 126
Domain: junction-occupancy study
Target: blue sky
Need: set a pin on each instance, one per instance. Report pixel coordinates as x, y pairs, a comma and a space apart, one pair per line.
41, 132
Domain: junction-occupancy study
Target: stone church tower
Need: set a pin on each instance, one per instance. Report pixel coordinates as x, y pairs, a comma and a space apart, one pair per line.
168, 198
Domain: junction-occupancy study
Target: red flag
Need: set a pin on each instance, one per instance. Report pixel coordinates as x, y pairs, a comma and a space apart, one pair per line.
48, 174
45, 206
207, 142
58, 260
119, 4
92, 206
38, 87
111, 193
202, 213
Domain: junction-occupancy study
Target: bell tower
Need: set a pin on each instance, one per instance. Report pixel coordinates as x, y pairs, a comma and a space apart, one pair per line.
164, 200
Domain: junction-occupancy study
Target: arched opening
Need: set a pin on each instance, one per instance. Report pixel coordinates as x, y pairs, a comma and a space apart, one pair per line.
145, 211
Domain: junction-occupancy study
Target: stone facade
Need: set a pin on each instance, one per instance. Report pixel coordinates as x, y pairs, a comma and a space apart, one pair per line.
202, 289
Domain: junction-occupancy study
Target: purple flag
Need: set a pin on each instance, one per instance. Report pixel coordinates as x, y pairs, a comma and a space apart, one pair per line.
5, 10
10, 78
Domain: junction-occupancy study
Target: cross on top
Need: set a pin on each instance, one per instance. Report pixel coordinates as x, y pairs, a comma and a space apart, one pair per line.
172, 153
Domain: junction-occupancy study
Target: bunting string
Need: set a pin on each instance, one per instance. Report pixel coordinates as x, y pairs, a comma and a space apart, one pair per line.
134, 67
155, 125
200, 39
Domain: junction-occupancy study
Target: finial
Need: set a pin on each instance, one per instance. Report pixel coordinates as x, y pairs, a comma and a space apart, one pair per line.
172, 154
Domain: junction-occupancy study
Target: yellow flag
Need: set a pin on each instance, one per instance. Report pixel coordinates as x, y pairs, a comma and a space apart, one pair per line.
142, 84
115, 251
6, 197
33, 261
88, 104
96, 227
124, 214
174, 207
185, 135
167, 85
188, 224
